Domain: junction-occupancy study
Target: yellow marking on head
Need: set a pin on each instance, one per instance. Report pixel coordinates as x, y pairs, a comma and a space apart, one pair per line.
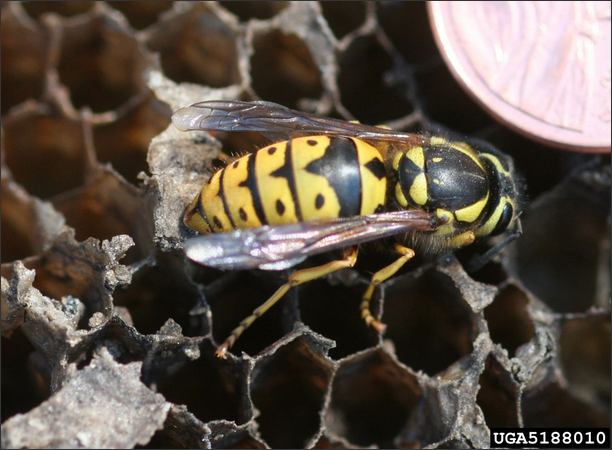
497, 163
471, 212
213, 204
437, 159
383, 126
274, 192
487, 227
449, 227
437, 140
396, 160
437, 181
373, 189
310, 186
418, 190
399, 196
354, 121
239, 199
415, 154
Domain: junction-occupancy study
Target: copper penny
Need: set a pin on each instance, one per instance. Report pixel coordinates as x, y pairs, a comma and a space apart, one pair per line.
543, 68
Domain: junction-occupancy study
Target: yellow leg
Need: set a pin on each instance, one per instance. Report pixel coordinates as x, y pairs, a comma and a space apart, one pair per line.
296, 278
463, 239
380, 276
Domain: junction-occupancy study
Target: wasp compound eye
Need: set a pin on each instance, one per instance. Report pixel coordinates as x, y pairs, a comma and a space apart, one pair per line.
504, 220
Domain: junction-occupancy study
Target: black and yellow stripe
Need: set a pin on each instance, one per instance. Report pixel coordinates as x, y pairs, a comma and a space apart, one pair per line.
447, 178
303, 179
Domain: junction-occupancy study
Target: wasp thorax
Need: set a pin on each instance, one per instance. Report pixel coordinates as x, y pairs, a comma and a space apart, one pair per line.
472, 191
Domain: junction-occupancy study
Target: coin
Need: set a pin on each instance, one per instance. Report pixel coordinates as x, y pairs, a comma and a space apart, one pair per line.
542, 68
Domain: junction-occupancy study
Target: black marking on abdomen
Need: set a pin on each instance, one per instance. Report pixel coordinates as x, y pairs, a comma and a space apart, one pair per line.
377, 168
407, 171
243, 215
251, 184
200, 208
286, 171
339, 165
224, 200
319, 201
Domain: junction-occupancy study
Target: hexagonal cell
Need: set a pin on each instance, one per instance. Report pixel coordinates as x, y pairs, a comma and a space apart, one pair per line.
68, 271
64, 8
365, 89
283, 69
562, 257
101, 63
45, 152
211, 388
232, 302
23, 387
372, 399
24, 48
141, 13
585, 357
196, 46
163, 291
246, 10
498, 396
107, 206
429, 323
124, 142
552, 405
509, 320
27, 225
288, 388
343, 17
333, 311
17, 220
406, 23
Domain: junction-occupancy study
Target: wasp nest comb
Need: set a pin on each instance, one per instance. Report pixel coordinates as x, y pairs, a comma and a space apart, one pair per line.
105, 323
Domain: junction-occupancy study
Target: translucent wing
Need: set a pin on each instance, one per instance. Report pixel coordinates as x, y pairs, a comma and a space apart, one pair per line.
267, 117
280, 247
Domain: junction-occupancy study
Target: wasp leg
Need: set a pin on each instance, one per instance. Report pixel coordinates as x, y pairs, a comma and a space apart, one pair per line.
380, 276
296, 278
463, 239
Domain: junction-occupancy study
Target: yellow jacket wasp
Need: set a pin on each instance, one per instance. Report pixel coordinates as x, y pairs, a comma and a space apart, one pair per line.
334, 184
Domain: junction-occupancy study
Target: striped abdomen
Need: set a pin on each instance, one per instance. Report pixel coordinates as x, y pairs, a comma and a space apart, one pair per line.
303, 179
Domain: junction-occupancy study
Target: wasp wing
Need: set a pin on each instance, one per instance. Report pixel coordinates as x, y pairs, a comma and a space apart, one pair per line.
280, 247
268, 117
